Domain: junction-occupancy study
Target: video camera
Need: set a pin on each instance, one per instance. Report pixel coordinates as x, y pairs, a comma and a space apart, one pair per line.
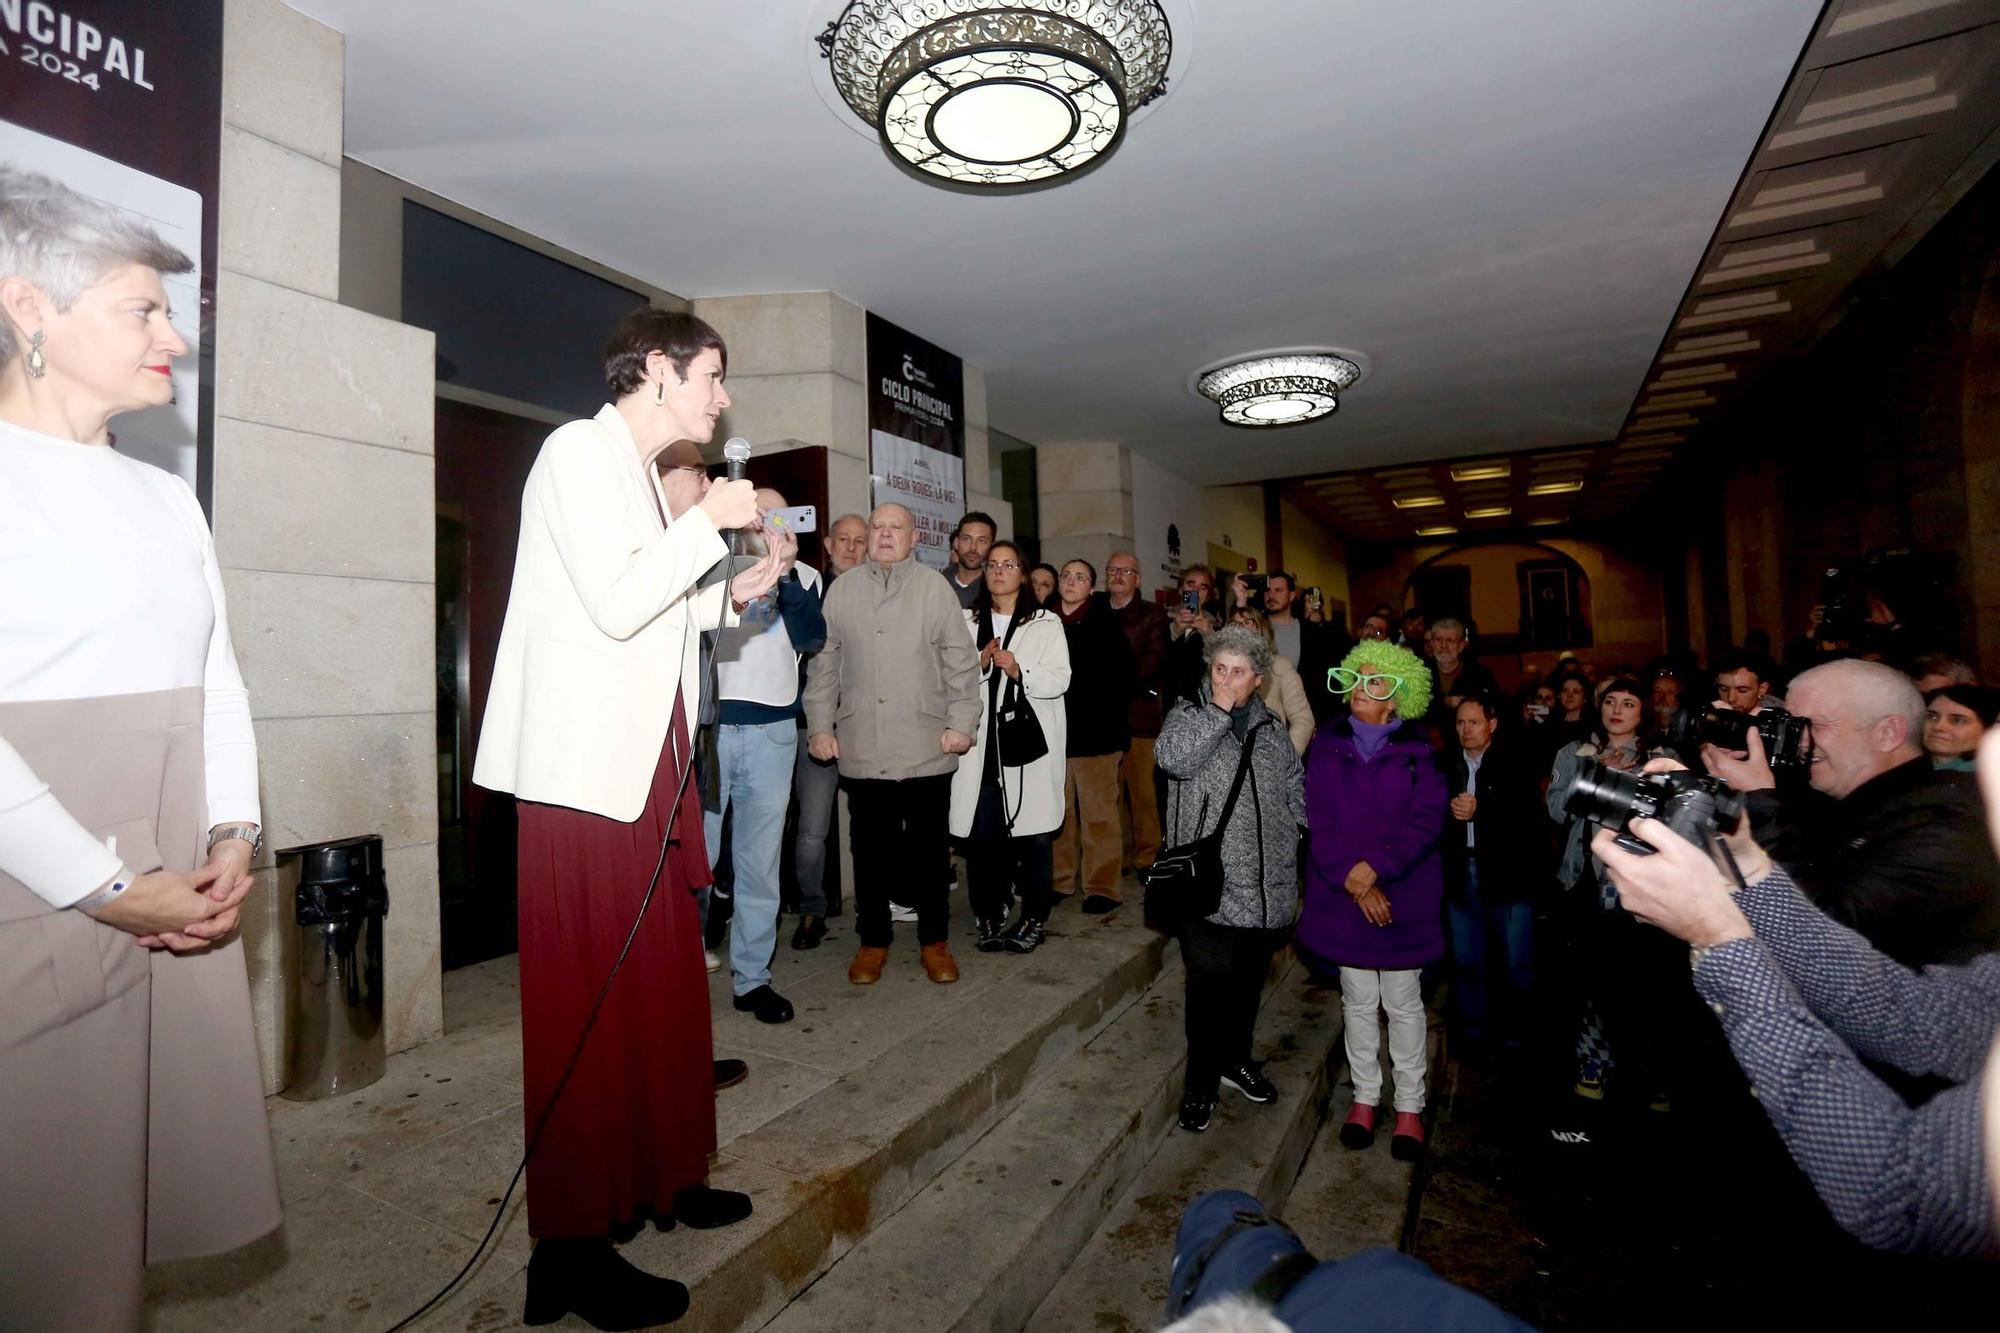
1693, 805
1787, 739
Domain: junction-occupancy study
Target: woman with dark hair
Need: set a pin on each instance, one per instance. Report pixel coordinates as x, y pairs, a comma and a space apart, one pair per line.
131, 1106
1619, 975
1955, 717
1042, 584
1005, 809
587, 724
1204, 743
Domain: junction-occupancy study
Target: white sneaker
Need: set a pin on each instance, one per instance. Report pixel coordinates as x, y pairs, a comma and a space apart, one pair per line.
898, 912
714, 963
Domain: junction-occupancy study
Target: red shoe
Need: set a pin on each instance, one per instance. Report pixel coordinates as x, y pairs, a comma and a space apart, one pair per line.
1407, 1144
1359, 1131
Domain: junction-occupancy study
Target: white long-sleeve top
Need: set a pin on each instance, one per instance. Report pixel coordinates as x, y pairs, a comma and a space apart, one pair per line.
108, 586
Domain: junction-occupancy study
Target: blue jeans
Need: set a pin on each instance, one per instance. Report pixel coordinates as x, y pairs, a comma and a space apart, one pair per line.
754, 780
1510, 926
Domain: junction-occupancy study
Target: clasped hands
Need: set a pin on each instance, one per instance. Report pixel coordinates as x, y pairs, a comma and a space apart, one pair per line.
1367, 895
166, 909
993, 655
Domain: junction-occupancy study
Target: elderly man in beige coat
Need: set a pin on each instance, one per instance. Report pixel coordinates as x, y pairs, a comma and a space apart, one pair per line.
893, 697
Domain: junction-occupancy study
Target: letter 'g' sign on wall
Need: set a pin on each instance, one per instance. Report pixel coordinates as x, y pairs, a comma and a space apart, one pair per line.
122, 100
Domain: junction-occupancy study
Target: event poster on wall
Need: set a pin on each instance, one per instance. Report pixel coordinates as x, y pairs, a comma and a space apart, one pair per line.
122, 100
916, 433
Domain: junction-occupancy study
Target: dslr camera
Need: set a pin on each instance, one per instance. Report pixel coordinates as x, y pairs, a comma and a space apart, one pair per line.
1787, 739
1696, 806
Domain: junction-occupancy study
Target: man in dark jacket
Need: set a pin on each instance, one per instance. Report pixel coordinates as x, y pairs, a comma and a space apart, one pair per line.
1145, 627
1495, 853
1097, 703
1884, 843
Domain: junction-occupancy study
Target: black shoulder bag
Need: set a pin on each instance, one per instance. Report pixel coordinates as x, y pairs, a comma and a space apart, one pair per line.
1017, 732
1184, 883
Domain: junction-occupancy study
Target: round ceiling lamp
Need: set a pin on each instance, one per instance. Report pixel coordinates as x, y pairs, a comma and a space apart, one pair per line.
995, 96
1279, 390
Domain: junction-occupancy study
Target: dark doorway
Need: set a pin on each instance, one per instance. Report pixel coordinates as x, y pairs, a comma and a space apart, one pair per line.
1443, 590
483, 458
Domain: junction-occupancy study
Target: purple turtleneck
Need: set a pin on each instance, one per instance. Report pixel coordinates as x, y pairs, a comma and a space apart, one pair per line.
1370, 737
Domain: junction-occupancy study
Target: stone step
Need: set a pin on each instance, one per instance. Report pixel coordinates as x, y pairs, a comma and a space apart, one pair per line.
1117, 1282
829, 1170
983, 1243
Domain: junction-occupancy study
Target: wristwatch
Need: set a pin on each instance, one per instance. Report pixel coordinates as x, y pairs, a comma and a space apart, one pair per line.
250, 833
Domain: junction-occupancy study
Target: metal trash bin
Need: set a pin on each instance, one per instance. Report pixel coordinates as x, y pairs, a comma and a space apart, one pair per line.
335, 1023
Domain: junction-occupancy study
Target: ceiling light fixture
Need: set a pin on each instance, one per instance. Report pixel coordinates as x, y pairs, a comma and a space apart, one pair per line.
1435, 532
1555, 487
1479, 471
1417, 501
1279, 390
1490, 511
1002, 96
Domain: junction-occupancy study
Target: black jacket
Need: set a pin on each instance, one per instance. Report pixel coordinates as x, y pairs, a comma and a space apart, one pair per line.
1103, 676
1321, 646
1904, 859
1508, 826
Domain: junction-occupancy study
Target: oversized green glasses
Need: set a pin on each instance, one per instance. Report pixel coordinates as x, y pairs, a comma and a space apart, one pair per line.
1342, 681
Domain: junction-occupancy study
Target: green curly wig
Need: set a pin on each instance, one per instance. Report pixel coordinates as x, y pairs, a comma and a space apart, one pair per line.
1413, 697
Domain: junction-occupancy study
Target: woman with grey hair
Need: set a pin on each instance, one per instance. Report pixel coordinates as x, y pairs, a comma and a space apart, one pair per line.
131, 1105
1204, 743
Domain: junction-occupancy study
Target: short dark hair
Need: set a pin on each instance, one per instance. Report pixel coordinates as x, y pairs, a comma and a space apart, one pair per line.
979, 516
1291, 581
1189, 571
1956, 670
1741, 659
1485, 706
1981, 700
674, 334
983, 599
1088, 568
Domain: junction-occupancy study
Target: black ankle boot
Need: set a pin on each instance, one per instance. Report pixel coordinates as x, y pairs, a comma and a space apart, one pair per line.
588, 1278
701, 1207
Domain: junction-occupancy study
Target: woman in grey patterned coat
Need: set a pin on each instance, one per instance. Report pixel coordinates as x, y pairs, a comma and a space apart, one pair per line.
1227, 953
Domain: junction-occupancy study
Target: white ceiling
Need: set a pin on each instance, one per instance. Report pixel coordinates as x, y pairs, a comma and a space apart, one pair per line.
1499, 205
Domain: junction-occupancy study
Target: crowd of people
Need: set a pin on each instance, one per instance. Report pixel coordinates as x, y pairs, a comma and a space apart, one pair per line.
666, 696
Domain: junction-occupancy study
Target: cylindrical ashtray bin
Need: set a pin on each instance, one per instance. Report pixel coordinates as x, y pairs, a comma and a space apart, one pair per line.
341, 899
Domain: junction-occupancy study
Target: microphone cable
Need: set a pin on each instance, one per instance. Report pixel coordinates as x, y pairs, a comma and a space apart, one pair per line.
576, 1056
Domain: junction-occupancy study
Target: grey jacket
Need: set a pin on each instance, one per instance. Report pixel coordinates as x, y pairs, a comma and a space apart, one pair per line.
897, 670
1260, 849
1577, 856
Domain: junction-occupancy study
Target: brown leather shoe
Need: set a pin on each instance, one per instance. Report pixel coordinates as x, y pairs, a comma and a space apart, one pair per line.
866, 969
939, 965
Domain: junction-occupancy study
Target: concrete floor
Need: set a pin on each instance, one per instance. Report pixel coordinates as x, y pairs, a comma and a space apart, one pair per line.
388, 1191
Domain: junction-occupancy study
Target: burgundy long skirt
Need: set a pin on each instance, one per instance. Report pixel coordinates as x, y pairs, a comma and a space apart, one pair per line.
637, 1119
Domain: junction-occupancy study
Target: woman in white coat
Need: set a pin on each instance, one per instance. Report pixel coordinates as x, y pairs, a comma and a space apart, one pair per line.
1004, 813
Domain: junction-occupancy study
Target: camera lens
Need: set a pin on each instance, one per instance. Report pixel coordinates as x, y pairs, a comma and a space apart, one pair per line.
1605, 795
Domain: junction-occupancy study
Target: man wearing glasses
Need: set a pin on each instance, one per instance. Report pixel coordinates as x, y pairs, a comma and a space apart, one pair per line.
1145, 627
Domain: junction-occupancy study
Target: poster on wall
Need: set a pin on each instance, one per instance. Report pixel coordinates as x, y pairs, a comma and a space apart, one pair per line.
927, 482
121, 100
916, 433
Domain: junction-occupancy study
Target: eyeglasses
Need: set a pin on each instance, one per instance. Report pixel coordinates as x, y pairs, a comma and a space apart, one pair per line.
1003, 564
701, 472
1378, 687
1123, 571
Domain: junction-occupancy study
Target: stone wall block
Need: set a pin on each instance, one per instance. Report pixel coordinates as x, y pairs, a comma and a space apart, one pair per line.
282, 77
280, 215
313, 646
340, 777
312, 505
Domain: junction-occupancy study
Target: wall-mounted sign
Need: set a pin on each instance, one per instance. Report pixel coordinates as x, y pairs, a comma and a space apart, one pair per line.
916, 433
122, 100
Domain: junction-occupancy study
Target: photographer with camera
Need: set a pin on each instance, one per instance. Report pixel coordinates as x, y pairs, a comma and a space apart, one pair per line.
1606, 974
1882, 842
1804, 1002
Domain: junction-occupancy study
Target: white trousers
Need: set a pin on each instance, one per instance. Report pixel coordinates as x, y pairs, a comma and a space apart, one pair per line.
1362, 992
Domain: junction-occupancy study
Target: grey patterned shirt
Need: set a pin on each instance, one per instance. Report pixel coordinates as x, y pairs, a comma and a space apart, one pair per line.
1803, 1004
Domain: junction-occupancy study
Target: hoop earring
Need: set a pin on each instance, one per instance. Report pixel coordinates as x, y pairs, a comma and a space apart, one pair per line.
38, 365
660, 396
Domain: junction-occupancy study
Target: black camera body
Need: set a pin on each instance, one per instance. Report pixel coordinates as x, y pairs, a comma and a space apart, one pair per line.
1787, 739
1695, 806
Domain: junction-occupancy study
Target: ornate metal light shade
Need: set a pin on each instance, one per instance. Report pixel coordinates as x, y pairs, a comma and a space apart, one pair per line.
1279, 390
999, 95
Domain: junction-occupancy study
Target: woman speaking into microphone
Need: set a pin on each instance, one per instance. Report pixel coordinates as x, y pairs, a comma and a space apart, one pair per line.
588, 725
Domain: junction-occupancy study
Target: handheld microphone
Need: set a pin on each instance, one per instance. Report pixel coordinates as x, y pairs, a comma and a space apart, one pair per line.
737, 454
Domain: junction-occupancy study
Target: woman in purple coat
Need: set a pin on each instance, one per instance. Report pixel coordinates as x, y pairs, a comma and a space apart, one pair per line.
1374, 891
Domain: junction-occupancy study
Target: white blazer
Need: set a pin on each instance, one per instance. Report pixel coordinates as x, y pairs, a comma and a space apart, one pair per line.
603, 627
1034, 792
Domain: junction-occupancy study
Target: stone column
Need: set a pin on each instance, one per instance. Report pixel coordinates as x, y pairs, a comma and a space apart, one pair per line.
323, 517
1085, 492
